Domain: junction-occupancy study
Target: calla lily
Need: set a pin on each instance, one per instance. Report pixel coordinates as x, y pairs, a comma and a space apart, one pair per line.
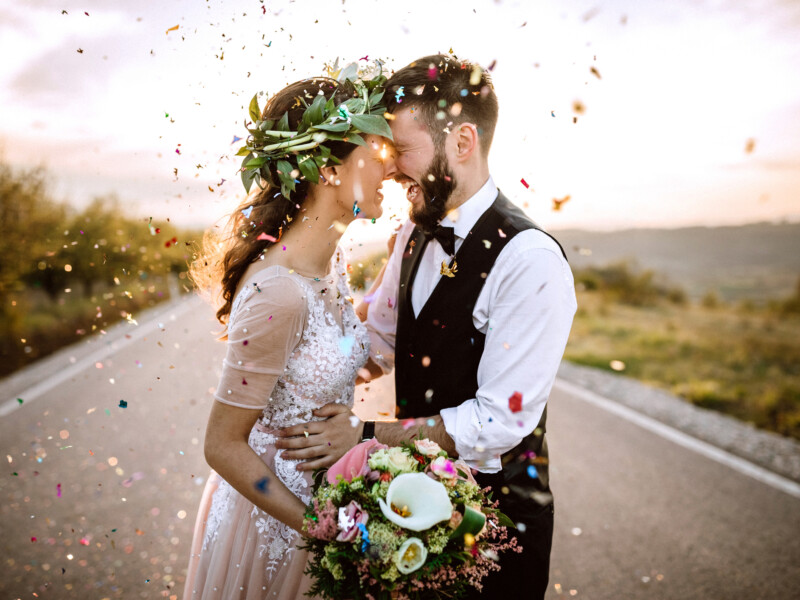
410, 556
420, 501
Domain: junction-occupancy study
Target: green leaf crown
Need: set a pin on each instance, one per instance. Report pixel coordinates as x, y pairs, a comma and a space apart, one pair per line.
301, 153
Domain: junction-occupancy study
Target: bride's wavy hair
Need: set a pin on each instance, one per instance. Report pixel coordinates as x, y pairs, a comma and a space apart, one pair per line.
223, 257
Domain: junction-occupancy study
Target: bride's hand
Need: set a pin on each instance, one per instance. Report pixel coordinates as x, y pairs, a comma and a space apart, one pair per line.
321, 443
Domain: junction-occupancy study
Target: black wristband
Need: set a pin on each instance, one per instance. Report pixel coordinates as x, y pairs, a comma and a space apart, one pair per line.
369, 431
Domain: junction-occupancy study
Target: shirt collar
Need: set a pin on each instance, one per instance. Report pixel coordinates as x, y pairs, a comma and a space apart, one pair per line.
468, 213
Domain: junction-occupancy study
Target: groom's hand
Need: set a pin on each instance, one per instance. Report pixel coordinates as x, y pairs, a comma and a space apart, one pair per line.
321, 443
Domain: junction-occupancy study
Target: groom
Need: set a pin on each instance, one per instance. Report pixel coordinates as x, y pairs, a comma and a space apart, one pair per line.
473, 313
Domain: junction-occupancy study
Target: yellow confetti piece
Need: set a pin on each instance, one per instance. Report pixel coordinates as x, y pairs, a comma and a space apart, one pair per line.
173, 29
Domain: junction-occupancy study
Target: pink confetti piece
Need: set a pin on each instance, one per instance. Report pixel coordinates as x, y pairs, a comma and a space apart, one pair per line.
525, 183
264, 236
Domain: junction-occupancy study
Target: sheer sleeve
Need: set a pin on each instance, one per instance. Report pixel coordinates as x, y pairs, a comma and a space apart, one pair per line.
263, 333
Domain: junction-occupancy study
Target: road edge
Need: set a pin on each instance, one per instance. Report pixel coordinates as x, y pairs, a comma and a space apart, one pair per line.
778, 454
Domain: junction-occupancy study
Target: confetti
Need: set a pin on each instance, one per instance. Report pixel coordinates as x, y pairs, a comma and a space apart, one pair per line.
557, 202
487, 244
263, 236
750, 145
501, 233
247, 212
617, 365
515, 402
408, 423
236, 138
175, 28
525, 183
261, 485
123, 404
595, 72
58, 490
398, 97
20, 400
346, 345
532, 473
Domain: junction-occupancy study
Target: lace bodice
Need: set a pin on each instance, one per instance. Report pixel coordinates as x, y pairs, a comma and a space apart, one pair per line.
320, 343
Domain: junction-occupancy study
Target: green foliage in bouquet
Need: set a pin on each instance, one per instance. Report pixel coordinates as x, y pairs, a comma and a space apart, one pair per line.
303, 152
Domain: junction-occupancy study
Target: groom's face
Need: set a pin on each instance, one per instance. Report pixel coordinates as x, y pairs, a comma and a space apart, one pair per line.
424, 169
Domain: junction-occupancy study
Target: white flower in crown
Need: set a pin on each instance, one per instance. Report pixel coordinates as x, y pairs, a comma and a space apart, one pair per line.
415, 501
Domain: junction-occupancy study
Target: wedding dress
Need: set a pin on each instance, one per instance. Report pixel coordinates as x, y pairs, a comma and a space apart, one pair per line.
302, 335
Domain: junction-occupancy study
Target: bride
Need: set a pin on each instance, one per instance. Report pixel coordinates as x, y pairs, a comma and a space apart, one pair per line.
294, 343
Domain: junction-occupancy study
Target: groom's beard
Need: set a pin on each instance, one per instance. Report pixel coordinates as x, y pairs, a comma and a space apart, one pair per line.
435, 194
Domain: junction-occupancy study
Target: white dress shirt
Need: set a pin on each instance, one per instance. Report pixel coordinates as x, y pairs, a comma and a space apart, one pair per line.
525, 310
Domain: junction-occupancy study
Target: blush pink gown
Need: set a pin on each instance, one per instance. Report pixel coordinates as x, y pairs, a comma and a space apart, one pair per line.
298, 345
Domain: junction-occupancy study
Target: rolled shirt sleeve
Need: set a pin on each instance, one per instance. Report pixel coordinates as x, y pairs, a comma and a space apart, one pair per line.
525, 310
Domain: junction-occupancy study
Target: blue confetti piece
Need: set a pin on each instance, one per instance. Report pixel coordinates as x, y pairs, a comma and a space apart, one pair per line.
532, 473
236, 139
400, 93
346, 345
431, 422
261, 484
364, 537
246, 212
123, 404
356, 210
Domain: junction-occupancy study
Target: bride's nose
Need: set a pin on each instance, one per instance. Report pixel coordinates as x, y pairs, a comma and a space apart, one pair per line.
389, 167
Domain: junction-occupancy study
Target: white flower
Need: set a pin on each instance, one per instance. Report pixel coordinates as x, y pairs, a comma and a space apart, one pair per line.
395, 460
427, 447
444, 468
415, 501
410, 556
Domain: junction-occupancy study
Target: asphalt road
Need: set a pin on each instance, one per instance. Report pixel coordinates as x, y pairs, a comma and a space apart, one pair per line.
99, 501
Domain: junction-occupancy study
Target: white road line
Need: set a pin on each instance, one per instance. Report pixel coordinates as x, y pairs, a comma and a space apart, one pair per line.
44, 386
668, 433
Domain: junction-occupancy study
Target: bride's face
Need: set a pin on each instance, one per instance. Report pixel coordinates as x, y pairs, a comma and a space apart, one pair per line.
362, 173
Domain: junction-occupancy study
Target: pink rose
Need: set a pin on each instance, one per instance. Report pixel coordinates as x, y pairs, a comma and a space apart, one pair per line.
350, 517
354, 463
427, 447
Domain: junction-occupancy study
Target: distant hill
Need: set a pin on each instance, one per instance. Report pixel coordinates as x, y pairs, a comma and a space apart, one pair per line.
757, 261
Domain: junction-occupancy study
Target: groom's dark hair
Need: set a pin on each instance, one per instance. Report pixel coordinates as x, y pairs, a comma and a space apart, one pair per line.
435, 84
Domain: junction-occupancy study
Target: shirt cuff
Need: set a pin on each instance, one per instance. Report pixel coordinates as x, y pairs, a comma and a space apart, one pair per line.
462, 424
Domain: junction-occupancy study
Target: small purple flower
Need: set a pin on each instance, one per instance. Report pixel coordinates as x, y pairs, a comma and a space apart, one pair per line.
350, 517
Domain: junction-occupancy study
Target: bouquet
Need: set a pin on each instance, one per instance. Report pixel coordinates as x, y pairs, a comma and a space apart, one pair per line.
404, 522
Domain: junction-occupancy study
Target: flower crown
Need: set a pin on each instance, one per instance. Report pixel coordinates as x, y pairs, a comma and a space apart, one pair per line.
303, 152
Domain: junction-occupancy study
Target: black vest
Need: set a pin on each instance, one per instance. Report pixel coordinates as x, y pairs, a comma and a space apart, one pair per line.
437, 353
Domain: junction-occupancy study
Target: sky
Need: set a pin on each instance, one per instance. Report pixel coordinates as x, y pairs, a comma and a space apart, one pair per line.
645, 113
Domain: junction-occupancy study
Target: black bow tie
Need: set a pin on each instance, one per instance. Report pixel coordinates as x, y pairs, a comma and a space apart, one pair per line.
445, 236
